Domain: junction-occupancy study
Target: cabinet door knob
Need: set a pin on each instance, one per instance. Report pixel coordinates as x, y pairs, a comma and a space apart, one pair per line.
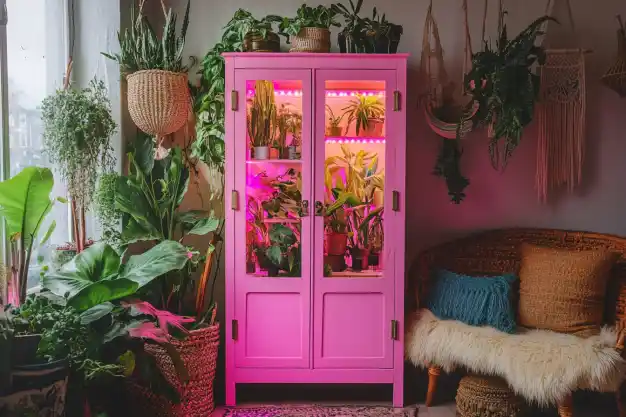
304, 208
319, 208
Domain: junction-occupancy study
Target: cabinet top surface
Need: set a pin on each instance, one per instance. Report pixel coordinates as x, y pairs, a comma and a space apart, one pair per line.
312, 55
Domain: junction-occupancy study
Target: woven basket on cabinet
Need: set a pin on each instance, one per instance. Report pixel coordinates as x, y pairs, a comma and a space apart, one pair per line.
199, 354
158, 101
311, 40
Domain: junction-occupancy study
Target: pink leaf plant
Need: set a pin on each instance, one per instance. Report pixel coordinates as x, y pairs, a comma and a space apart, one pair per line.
165, 319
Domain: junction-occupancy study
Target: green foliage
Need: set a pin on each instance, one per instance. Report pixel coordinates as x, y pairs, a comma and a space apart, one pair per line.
308, 17
150, 197
503, 81
243, 23
366, 34
284, 249
108, 215
142, 49
334, 121
97, 275
24, 204
448, 168
262, 120
362, 109
77, 129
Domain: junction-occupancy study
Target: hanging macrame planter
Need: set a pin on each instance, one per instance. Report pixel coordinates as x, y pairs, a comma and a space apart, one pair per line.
158, 101
615, 77
562, 113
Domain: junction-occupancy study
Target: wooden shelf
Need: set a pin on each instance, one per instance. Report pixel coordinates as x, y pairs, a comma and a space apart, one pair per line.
281, 220
354, 274
273, 161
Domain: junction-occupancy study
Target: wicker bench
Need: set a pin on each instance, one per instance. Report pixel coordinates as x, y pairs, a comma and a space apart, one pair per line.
496, 252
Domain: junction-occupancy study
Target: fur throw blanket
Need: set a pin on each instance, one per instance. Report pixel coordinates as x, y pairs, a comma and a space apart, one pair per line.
541, 366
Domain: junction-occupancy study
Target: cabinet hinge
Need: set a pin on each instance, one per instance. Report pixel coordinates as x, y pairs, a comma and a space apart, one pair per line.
395, 200
235, 330
234, 200
234, 100
394, 329
396, 100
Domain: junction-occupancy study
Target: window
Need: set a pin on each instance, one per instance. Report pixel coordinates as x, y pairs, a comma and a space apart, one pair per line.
36, 55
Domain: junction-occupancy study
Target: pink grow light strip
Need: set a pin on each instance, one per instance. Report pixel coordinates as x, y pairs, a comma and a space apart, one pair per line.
355, 140
298, 93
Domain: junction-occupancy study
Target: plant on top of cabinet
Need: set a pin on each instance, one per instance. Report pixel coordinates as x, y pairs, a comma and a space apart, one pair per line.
333, 128
369, 114
158, 95
351, 39
257, 35
310, 28
262, 122
381, 36
504, 83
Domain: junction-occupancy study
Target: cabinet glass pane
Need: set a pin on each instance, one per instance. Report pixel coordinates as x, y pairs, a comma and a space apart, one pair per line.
354, 179
274, 178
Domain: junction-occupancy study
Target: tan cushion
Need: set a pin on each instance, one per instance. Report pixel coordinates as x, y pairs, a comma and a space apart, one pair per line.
563, 290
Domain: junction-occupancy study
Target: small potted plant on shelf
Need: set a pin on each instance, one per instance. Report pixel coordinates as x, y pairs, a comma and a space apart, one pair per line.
310, 28
333, 128
369, 114
257, 35
284, 250
382, 36
262, 120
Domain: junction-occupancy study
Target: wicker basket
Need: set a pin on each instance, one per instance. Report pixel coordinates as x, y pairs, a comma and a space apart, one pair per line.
199, 354
311, 40
486, 397
158, 101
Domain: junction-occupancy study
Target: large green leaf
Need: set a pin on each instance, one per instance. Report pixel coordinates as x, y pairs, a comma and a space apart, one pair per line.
101, 292
96, 313
130, 199
204, 226
165, 257
25, 201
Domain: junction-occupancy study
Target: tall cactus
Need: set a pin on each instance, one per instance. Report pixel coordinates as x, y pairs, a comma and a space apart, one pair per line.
262, 116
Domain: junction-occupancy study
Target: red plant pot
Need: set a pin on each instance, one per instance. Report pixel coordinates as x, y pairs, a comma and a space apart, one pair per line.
336, 243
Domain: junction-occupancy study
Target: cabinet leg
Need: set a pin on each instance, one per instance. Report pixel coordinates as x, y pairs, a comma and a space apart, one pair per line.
621, 401
565, 407
398, 395
231, 394
433, 375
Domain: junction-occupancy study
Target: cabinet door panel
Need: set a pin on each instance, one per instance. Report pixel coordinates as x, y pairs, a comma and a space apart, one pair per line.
272, 225
354, 262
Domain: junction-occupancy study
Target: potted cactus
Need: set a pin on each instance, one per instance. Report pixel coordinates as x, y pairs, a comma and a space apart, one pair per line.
262, 120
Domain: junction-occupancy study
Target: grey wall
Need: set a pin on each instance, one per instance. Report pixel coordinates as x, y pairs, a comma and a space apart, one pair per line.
494, 199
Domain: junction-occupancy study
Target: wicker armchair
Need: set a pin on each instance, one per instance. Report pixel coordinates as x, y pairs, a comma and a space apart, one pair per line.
496, 252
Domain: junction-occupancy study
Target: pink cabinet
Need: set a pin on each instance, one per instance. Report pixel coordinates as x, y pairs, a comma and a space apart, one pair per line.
315, 178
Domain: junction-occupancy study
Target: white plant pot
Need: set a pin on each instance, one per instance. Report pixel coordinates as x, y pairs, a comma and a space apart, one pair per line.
261, 152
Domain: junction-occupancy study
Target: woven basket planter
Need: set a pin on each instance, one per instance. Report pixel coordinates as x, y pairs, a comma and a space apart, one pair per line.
158, 101
480, 396
199, 354
311, 40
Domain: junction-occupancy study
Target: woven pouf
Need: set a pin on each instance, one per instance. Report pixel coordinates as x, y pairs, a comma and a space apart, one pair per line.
483, 396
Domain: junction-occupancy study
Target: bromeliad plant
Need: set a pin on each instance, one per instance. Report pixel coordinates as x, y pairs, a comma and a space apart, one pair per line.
142, 49
364, 110
24, 204
149, 198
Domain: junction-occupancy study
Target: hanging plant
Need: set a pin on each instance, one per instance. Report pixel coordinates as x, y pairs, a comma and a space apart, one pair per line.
504, 83
77, 140
108, 215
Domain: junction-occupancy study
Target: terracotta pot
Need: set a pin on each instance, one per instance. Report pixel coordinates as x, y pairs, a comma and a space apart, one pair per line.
374, 129
337, 262
274, 153
334, 131
336, 243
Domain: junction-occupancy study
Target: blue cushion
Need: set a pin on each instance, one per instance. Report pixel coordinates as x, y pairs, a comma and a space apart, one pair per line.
477, 301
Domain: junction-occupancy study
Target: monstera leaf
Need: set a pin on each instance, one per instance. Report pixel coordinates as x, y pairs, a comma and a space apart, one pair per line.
96, 275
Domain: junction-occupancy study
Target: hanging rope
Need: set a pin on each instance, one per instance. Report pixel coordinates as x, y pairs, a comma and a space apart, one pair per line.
561, 114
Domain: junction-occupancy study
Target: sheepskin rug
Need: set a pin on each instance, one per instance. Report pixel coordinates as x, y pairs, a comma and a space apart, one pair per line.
541, 366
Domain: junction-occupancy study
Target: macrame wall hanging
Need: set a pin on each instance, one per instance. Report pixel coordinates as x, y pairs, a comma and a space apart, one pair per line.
561, 114
615, 77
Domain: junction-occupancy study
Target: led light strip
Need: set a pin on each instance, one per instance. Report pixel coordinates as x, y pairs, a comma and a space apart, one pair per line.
355, 140
298, 93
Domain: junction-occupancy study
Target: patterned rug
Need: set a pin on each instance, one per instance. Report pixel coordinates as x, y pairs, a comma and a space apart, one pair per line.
320, 411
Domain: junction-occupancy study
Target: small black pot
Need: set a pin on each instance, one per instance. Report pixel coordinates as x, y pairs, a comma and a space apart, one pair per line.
38, 376
272, 271
346, 43
374, 259
24, 351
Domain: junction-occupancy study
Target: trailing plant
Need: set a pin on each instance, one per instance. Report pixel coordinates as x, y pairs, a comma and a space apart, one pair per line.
150, 197
24, 204
108, 215
77, 140
308, 17
244, 23
504, 83
363, 109
448, 168
142, 49
262, 115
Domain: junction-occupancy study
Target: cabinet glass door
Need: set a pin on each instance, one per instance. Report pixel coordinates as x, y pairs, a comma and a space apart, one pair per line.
273, 261
354, 271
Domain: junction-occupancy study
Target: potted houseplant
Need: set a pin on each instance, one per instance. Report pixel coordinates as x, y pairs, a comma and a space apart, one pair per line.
283, 250
351, 38
262, 120
310, 28
77, 134
382, 36
333, 128
158, 95
369, 113
257, 35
